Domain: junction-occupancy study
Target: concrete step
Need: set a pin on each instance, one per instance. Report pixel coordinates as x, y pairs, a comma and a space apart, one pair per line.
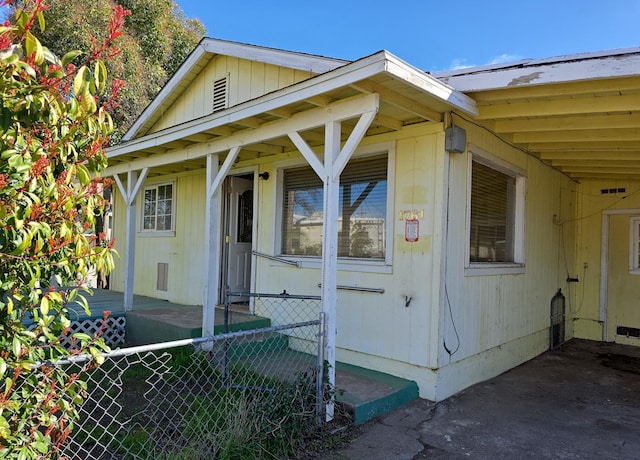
164, 324
367, 394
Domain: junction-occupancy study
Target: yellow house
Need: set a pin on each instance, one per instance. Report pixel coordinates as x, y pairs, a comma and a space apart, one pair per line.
450, 207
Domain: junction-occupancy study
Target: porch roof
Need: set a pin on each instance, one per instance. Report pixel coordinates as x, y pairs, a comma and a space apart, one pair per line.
580, 114
405, 96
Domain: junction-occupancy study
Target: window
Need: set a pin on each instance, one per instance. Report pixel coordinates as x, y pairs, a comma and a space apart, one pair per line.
158, 210
634, 245
362, 220
496, 221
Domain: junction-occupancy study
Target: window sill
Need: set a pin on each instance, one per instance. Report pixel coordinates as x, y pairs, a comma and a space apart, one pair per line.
489, 268
154, 234
352, 265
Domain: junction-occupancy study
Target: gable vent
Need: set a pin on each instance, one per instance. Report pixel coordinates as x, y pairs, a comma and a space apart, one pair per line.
220, 87
612, 191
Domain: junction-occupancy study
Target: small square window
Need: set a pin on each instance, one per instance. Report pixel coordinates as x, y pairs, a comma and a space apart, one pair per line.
158, 210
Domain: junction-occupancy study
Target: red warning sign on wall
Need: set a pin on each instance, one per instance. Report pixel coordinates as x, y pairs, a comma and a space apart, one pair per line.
411, 230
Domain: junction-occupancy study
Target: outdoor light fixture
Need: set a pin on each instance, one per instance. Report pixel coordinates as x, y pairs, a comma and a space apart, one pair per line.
264, 175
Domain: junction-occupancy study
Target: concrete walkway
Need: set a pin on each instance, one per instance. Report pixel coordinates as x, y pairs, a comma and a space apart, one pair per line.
581, 401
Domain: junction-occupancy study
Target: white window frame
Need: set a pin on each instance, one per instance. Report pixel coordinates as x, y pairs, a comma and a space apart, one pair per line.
344, 263
634, 245
158, 233
498, 268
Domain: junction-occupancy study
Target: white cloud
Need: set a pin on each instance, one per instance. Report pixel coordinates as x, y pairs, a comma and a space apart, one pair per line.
461, 63
504, 58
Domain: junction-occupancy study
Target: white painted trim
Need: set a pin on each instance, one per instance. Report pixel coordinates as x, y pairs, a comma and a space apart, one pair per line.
488, 269
213, 224
604, 263
302, 121
352, 143
294, 60
344, 263
307, 153
224, 170
159, 233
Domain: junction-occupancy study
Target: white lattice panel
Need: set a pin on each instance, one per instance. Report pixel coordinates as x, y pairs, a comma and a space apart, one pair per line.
113, 332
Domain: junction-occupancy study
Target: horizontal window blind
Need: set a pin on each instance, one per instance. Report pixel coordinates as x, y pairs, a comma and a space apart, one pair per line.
363, 202
492, 215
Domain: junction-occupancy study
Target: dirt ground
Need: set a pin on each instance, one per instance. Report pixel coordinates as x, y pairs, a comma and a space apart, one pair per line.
581, 401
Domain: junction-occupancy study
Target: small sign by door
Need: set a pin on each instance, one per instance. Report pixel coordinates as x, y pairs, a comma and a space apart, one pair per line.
411, 230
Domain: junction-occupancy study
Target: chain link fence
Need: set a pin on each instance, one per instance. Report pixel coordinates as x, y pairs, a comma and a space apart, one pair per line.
240, 394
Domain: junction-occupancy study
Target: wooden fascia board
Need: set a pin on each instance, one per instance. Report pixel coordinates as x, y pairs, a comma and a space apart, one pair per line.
541, 72
429, 84
300, 122
290, 59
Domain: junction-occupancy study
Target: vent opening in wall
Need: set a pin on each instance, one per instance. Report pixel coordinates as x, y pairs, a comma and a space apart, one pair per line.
628, 331
163, 277
220, 91
557, 320
612, 191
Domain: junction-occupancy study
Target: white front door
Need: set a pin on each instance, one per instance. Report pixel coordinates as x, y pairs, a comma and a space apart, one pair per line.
240, 235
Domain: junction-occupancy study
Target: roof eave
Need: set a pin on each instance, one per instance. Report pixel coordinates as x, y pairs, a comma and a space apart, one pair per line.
567, 69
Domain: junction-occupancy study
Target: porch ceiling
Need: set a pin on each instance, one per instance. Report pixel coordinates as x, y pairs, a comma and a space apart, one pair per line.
579, 113
586, 129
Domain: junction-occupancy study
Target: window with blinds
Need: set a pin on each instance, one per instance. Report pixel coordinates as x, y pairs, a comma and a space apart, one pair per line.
363, 209
493, 205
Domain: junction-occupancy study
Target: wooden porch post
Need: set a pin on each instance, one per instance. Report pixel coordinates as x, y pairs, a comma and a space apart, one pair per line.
213, 222
330, 250
130, 193
211, 249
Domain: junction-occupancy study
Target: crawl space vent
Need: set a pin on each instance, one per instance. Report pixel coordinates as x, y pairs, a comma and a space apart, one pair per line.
628, 331
612, 191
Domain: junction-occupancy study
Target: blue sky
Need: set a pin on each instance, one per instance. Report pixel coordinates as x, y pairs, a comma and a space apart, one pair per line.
431, 35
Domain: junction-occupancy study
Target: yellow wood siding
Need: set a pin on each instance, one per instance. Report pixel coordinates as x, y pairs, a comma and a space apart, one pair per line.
586, 296
379, 331
481, 313
184, 252
247, 80
372, 324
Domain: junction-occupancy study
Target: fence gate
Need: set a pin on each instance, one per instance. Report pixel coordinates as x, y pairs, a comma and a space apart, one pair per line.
557, 320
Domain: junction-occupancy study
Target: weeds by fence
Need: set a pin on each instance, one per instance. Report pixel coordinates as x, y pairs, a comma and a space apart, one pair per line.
244, 394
